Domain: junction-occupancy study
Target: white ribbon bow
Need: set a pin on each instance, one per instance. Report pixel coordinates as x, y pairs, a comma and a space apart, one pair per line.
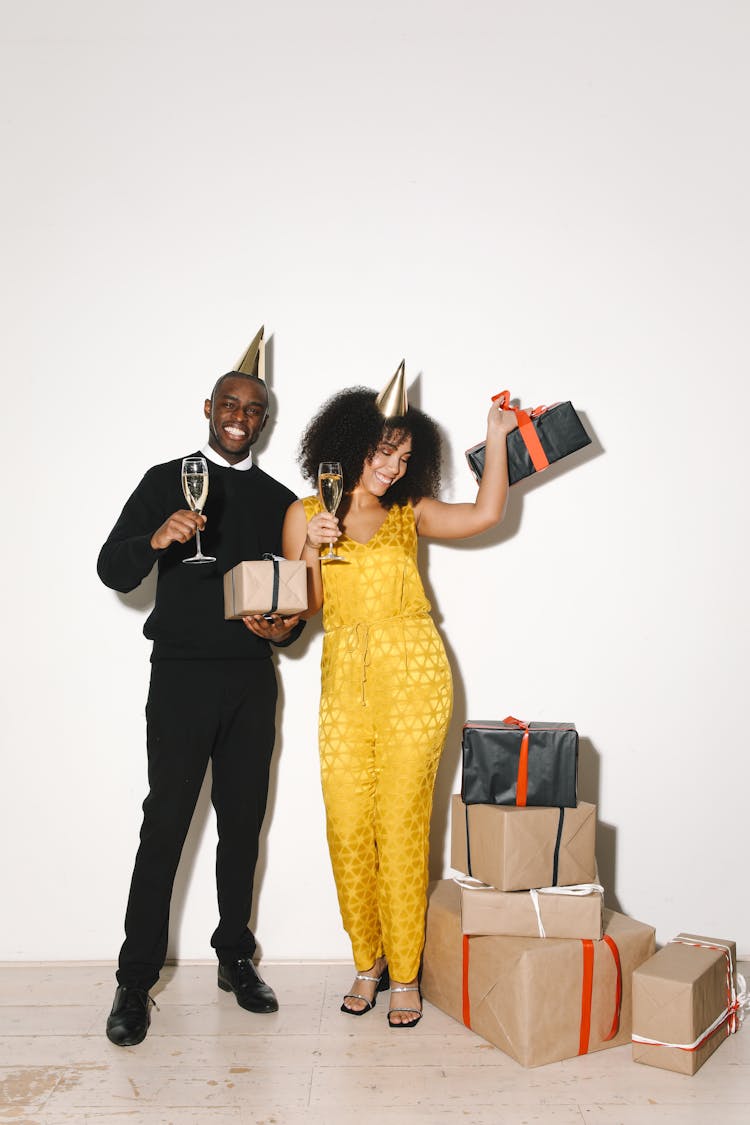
733, 1015
579, 889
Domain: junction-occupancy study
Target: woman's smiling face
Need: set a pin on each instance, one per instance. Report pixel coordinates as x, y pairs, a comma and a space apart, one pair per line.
388, 464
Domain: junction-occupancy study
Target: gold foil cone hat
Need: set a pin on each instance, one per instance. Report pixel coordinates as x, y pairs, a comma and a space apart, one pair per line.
392, 401
253, 361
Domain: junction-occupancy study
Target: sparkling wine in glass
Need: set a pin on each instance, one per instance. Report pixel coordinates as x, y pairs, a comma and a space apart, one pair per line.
330, 490
195, 487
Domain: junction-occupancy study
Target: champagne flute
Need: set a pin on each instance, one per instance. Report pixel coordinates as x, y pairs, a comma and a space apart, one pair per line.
195, 487
330, 490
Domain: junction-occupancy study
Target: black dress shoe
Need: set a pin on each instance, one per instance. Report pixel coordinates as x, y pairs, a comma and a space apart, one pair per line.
130, 1016
241, 977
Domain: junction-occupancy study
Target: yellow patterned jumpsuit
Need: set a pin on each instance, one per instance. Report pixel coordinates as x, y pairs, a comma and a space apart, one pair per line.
386, 699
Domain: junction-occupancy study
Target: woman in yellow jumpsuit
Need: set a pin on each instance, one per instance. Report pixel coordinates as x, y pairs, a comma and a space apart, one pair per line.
386, 684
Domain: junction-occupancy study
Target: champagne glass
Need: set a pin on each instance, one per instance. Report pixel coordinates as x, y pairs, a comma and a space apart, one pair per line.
195, 487
330, 490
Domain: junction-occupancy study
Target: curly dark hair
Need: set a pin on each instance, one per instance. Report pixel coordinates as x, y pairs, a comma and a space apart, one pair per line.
349, 427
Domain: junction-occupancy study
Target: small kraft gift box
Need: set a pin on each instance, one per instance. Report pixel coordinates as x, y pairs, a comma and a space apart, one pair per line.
686, 1000
512, 762
544, 435
515, 849
563, 912
267, 585
538, 1000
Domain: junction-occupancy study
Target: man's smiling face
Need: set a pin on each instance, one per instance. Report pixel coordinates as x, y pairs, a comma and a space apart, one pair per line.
237, 412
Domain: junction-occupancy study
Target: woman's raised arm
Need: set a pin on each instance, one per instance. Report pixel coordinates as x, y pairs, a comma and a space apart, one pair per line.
460, 521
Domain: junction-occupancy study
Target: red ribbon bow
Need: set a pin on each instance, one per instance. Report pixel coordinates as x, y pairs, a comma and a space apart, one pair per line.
526, 429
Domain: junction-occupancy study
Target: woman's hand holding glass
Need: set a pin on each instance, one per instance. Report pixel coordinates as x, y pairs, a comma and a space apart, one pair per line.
322, 530
331, 492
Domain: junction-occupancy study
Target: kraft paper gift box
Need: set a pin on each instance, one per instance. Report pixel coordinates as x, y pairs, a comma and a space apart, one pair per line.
686, 1002
514, 849
268, 585
512, 762
563, 912
544, 435
538, 1000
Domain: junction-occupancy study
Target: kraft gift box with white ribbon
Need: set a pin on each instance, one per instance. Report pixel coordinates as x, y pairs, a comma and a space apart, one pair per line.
514, 849
563, 912
538, 1000
686, 1000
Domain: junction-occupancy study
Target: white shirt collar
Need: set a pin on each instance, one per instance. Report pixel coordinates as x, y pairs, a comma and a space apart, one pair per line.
216, 458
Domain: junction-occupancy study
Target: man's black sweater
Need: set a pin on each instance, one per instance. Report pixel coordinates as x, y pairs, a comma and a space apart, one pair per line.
245, 512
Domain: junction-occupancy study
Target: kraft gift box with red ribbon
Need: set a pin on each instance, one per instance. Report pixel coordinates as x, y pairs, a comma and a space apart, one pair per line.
518, 763
544, 435
686, 1000
539, 1001
515, 849
562, 912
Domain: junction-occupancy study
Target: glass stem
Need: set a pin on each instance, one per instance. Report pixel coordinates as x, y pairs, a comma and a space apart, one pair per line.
198, 541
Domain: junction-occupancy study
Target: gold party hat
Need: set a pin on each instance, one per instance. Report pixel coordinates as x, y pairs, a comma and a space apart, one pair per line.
392, 402
253, 361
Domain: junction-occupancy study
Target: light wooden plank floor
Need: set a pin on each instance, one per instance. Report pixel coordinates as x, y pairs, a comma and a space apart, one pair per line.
207, 1061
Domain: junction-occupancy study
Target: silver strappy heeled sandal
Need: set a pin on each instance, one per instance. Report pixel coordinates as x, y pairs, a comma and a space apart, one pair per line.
381, 982
417, 1012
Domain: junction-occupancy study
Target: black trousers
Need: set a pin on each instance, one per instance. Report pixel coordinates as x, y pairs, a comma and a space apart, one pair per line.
223, 710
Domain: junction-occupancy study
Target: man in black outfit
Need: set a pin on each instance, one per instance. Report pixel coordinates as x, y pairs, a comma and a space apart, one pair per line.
212, 693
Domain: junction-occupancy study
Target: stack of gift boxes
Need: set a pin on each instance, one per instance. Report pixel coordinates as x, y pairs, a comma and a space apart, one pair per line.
522, 950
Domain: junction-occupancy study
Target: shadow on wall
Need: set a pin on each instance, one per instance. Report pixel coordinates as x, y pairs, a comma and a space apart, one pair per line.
444, 783
142, 598
297, 651
589, 766
451, 758
511, 523
267, 432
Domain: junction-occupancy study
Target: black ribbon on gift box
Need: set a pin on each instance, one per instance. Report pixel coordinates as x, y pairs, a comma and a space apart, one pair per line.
544, 435
274, 560
517, 763
555, 854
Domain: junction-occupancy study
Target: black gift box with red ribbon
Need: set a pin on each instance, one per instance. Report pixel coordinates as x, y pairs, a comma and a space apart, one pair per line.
517, 763
544, 435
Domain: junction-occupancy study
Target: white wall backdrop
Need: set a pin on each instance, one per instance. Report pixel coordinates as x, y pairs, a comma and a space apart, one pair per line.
550, 196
